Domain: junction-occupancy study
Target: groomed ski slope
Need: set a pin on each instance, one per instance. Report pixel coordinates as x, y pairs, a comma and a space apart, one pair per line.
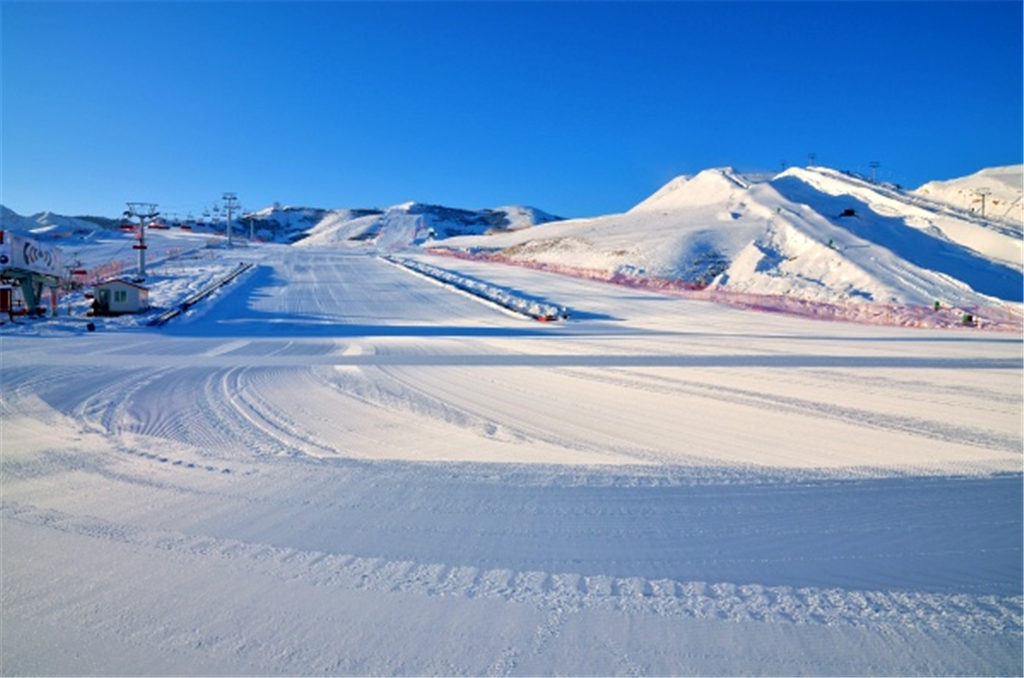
332, 466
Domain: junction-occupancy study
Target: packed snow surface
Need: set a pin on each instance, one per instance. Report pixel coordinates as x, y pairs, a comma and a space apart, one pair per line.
333, 466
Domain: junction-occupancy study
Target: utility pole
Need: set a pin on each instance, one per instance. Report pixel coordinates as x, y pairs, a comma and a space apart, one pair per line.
229, 204
874, 164
144, 211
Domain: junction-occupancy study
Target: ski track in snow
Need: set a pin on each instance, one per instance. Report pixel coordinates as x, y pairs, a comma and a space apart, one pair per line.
336, 441
917, 426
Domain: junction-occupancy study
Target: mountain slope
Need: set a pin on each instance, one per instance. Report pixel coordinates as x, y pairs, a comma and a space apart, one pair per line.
47, 225
1003, 188
416, 223
813, 234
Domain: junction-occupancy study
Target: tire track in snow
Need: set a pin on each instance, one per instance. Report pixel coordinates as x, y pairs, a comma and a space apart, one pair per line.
222, 418
389, 392
563, 593
917, 426
277, 429
504, 409
140, 412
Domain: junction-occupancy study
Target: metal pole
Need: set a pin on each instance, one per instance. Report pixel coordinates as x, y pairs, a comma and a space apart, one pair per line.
142, 246
229, 199
143, 211
983, 192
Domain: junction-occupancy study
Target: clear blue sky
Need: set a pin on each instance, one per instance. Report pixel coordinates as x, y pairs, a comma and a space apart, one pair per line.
577, 108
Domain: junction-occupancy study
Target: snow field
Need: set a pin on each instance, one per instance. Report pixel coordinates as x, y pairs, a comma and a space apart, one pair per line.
333, 467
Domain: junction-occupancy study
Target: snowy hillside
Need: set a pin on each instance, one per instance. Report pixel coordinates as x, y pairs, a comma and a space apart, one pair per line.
47, 225
1003, 188
395, 227
283, 224
812, 233
415, 223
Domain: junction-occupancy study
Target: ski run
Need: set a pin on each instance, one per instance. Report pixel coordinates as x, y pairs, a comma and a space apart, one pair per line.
331, 464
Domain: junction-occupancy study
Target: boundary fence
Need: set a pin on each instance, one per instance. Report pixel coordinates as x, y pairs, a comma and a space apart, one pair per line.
1002, 318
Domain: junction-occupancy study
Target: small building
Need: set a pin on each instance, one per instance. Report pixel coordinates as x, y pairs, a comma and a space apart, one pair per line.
114, 297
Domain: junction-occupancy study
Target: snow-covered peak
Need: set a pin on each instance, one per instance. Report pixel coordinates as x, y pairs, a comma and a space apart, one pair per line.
404, 207
705, 188
663, 196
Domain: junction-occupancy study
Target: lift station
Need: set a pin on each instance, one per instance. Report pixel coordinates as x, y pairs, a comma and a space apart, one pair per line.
30, 264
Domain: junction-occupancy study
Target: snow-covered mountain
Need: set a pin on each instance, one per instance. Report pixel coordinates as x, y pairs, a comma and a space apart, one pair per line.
415, 223
399, 226
810, 233
1001, 187
47, 225
807, 233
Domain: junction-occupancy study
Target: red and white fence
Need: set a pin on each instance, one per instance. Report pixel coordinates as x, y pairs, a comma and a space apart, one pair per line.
1004, 317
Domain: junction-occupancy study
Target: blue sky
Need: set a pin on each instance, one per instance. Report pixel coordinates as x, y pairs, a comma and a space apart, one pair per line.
577, 108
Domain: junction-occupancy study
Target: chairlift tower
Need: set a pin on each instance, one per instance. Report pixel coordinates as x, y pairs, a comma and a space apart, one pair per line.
874, 165
143, 211
811, 157
981, 193
230, 202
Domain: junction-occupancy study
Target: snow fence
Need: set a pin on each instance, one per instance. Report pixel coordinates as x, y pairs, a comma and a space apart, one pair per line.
1005, 318
503, 297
